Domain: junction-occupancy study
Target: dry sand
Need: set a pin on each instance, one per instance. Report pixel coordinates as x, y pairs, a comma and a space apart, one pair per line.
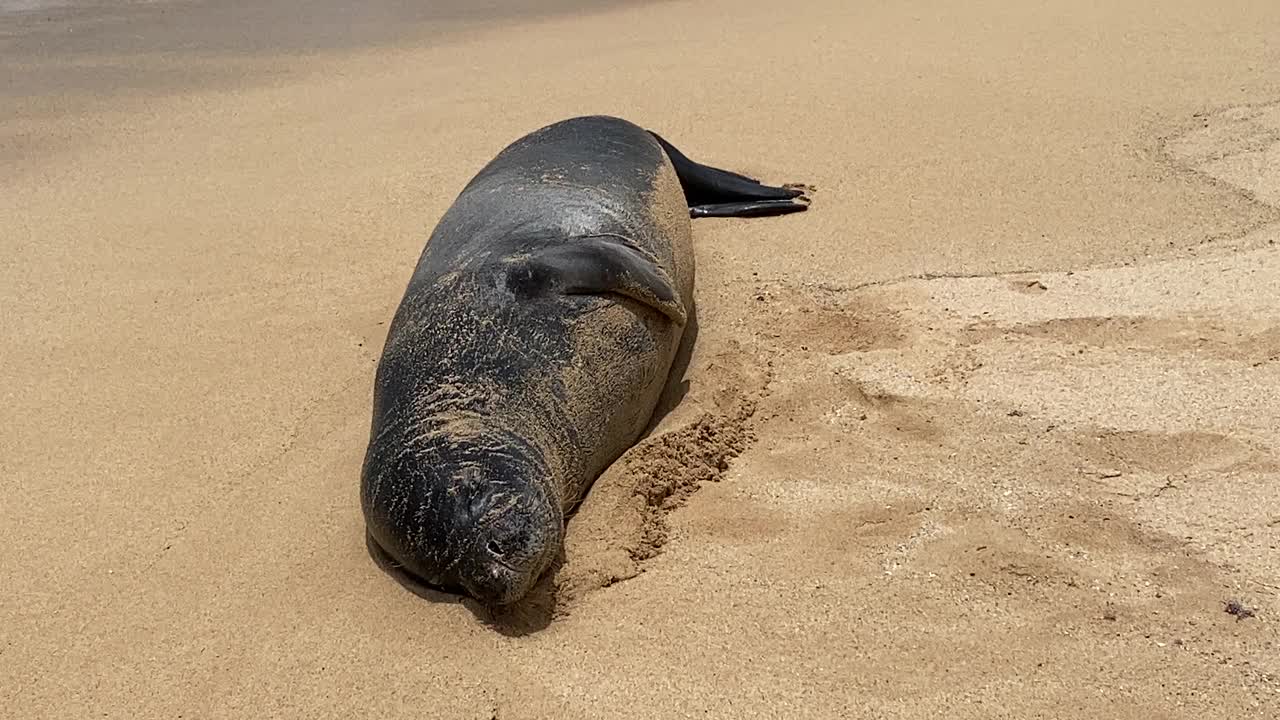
995, 425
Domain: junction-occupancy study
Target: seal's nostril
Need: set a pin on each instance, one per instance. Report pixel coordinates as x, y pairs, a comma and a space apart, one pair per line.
495, 548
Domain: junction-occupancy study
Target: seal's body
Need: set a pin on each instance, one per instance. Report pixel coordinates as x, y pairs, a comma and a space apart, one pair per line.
532, 345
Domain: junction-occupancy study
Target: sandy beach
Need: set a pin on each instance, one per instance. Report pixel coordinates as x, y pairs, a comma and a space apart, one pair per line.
991, 431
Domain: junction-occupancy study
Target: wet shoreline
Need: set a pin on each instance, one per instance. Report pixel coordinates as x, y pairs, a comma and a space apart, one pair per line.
62, 46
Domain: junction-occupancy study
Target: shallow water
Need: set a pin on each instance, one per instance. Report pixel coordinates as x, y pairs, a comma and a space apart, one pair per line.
29, 5
265, 26
67, 57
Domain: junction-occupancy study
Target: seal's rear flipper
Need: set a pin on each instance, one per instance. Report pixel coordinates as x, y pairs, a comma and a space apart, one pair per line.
759, 208
712, 192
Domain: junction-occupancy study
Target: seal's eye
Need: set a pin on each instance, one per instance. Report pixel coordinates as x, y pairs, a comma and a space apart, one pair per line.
496, 548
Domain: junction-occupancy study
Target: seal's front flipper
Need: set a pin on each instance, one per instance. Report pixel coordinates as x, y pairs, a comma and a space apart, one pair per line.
600, 265
712, 192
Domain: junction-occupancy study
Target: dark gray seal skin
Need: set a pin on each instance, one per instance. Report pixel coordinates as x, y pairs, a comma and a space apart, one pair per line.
531, 347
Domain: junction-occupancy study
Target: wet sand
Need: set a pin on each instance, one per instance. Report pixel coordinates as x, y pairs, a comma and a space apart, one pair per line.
990, 431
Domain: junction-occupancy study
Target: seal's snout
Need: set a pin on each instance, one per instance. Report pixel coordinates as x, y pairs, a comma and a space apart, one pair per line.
495, 584
511, 549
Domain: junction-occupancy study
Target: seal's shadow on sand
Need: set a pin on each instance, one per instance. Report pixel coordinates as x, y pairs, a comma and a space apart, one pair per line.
536, 611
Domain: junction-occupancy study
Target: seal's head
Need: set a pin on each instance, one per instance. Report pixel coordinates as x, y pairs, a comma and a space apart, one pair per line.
471, 519
511, 542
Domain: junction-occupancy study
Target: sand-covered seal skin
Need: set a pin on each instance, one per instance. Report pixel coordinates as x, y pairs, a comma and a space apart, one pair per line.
531, 347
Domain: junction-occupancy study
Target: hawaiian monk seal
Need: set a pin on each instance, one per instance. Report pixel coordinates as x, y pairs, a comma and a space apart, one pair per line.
531, 347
